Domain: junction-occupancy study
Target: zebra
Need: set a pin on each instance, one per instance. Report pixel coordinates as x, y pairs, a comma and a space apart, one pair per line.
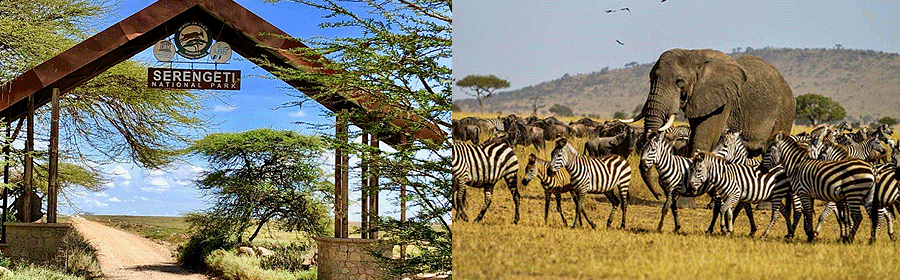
738, 182
869, 150
731, 148
886, 193
846, 182
553, 185
672, 170
482, 166
603, 175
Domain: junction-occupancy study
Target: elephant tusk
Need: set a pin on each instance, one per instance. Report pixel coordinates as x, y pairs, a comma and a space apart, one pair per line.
634, 119
668, 123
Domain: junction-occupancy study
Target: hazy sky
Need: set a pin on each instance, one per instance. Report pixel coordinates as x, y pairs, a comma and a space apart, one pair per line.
528, 42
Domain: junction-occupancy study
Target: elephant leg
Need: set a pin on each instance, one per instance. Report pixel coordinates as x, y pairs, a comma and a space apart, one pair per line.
705, 131
559, 209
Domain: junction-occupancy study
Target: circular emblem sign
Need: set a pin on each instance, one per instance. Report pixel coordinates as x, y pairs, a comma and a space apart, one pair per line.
192, 40
220, 52
164, 50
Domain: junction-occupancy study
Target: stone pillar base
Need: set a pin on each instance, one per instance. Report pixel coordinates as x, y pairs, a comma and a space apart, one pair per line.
348, 258
34, 242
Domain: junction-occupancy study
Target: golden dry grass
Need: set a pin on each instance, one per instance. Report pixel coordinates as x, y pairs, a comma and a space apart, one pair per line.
496, 249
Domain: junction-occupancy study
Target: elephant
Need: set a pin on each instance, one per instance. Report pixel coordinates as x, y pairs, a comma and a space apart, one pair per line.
717, 92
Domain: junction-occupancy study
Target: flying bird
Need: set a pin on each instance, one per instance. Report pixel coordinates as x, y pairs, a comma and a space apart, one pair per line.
620, 42
626, 9
610, 11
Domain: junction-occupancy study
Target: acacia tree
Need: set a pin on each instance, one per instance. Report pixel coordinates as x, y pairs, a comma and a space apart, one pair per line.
264, 175
818, 109
111, 118
400, 55
482, 87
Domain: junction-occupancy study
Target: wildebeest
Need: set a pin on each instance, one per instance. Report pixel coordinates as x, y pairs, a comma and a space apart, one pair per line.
468, 132
620, 144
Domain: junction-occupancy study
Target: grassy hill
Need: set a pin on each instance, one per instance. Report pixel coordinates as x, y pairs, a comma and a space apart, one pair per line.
865, 82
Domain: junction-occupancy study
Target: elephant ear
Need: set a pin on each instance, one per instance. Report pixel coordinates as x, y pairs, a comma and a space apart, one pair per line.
720, 79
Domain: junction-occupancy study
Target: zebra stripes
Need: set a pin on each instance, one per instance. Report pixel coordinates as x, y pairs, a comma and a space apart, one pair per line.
845, 182
603, 175
553, 185
734, 183
731, 148
673, 169
482, 166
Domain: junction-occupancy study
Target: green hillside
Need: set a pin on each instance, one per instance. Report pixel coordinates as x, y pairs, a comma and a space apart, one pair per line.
865, 82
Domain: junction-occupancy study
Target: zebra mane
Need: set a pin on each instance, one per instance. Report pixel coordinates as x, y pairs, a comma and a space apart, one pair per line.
838, 148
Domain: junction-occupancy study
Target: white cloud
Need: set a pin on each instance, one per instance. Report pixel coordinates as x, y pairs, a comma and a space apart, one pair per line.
158, 182
142, 198
197, 169
298, 114
100, 204
224, 108
101, 194
113, 199
156, 172
120, 172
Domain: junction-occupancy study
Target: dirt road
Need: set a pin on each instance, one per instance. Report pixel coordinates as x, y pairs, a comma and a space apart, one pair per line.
124, 255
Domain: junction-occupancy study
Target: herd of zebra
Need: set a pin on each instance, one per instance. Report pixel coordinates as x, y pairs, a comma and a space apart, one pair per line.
847, 170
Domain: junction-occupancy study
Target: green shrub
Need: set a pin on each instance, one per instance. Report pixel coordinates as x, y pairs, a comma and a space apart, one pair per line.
288, 257
193, 253
232, 267
34, 272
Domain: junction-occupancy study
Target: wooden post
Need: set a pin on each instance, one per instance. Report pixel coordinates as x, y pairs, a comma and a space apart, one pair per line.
28, 177
341, 174
364, 190
402, 202
53, 173
5, 177
338, 186
345, 181
373, 191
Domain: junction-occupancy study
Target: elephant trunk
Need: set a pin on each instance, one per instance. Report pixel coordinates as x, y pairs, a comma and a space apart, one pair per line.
651, 179
660, 107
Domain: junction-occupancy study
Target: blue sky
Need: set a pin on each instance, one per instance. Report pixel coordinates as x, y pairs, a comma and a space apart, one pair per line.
170, 192
528, 42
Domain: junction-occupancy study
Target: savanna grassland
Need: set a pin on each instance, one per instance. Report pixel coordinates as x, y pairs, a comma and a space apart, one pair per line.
497, 249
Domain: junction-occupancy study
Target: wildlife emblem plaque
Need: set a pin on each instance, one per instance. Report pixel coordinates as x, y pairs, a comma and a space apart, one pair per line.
192, 40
